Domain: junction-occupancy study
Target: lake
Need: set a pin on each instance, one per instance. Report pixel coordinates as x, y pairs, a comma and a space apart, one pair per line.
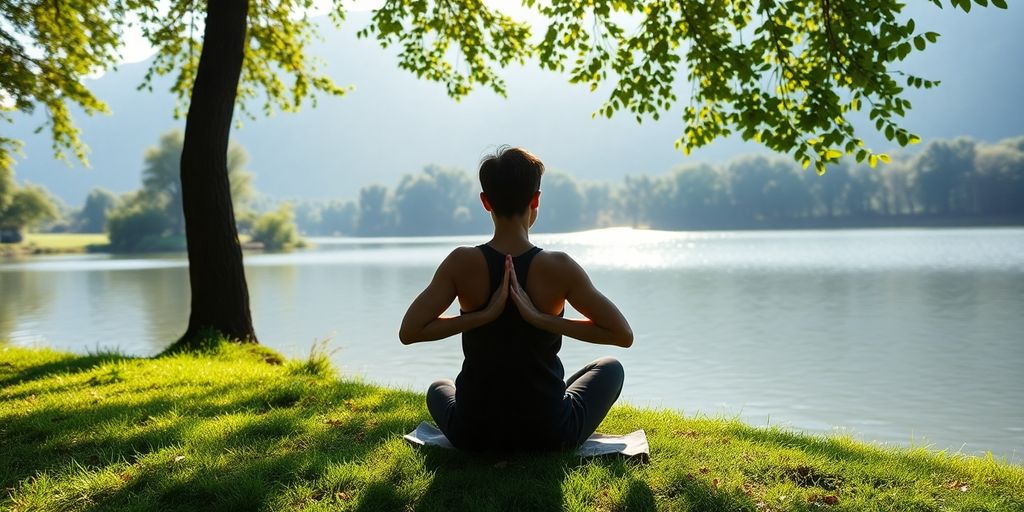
905, 336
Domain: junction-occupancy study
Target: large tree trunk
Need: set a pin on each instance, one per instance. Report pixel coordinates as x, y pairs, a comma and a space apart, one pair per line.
220, 297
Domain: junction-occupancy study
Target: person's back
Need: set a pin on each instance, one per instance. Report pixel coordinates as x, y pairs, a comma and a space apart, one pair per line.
529, 402
511, 383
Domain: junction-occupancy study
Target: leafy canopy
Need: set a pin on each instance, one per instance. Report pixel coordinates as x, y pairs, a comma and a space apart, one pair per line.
786, 73
48, 47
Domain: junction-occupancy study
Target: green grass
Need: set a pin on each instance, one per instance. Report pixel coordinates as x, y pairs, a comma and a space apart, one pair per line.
44, 243
62, 243
238, 428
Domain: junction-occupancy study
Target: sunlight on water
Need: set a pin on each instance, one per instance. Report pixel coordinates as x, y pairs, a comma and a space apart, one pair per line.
621, 247
895, 335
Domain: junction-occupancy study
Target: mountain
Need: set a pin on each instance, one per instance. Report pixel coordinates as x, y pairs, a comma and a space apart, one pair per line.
394, 124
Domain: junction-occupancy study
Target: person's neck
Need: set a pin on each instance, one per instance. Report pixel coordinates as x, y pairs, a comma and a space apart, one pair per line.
511, 236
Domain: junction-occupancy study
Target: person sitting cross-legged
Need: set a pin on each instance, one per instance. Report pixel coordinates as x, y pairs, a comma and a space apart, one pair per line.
510, 394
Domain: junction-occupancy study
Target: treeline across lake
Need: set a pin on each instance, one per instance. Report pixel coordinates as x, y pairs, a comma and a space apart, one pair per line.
147, 219
949, 182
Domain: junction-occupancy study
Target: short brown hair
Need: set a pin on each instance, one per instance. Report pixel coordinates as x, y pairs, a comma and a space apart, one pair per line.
509, 178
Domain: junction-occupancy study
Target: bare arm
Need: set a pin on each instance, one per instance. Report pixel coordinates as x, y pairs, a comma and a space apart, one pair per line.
604, 323
423, 320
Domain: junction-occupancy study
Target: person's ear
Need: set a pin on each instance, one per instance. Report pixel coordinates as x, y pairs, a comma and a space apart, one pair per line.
535, 202
483, 200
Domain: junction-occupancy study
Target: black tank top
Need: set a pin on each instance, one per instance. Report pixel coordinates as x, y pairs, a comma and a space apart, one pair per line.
511, 378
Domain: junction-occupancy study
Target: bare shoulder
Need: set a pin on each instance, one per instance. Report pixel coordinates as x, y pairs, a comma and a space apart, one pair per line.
555, 258
463, 252
460, 259
558, 265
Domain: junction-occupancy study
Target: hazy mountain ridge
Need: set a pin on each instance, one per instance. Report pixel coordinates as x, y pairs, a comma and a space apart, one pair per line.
394, 124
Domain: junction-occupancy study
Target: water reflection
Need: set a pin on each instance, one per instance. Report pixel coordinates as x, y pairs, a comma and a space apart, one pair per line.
25, 296
895, 334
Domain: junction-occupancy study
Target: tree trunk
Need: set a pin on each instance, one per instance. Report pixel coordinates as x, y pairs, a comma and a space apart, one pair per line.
220, 297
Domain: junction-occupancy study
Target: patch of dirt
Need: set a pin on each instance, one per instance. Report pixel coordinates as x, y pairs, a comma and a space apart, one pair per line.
807, 476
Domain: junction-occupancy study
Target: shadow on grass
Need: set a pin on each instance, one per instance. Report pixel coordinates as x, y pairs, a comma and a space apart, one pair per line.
283, 441
228, 446
532, 481
523, 481
68, 364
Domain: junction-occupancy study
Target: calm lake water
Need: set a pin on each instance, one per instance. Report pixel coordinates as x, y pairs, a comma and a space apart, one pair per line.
900, 336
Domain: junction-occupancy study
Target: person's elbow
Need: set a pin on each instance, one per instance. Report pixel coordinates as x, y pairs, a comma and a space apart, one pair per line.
625, 337
407, 336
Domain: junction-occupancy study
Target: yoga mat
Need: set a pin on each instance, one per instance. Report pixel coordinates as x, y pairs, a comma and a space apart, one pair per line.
632, 445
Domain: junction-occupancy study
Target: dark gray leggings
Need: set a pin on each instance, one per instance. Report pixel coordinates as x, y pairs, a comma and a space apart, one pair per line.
589, 394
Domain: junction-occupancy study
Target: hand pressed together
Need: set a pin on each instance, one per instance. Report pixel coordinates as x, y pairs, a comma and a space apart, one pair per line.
500, 296
510, 288
522, 300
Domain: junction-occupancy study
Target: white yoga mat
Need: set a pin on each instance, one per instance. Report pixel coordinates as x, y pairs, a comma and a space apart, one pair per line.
632, 445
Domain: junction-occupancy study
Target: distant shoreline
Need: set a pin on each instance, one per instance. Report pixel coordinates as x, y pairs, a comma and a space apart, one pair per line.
839, 223
908, 221
37, 244
42, 244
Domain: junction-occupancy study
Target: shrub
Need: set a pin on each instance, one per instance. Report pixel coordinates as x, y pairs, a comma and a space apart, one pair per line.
139, 225
276, 230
